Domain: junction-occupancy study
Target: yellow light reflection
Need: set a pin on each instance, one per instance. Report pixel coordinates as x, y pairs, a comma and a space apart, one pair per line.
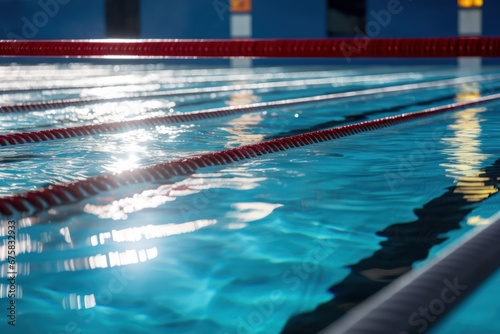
238, 99
468, 96
464, 151
477, 220
464, 154
242, 128
470, 3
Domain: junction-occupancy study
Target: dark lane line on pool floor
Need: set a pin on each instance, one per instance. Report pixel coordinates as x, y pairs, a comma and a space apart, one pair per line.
364, 116
19, 158
73, 192
406, 244
358, 117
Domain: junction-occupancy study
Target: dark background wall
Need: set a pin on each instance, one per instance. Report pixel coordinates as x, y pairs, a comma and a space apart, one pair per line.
289, 19
74, 19
183, 19
62, 19
418, 18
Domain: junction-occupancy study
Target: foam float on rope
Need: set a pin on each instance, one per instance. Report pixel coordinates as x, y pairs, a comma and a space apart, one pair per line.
73, 192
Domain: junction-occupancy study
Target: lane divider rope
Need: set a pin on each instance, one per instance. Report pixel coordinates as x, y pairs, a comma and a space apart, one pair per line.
73, 192
88, 130
44, 105
298, 48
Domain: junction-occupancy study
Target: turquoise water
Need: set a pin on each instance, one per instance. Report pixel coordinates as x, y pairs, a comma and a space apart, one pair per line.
248, 247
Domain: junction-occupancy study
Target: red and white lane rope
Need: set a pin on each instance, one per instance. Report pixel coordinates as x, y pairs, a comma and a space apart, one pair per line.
73, 192
44, 105
254, 48
87, 130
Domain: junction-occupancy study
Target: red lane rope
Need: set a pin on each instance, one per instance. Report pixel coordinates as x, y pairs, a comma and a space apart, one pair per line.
303, 48
62, 103
78, 190
87, 130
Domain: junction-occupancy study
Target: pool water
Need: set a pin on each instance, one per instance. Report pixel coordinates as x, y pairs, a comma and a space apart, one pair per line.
283, 243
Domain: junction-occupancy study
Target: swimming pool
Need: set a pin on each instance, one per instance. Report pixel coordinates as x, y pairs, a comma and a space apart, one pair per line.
281, 243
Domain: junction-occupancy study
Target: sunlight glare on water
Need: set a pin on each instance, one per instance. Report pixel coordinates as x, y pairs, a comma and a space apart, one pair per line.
210, 252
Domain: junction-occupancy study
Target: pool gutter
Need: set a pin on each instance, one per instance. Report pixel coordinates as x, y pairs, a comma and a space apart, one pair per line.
419, 300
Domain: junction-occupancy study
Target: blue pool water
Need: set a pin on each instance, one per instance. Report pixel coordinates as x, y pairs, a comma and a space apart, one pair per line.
276, 244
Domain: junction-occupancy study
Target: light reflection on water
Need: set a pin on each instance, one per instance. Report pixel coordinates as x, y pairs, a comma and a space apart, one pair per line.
119, 209
464, 153
313, 195
77, 302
